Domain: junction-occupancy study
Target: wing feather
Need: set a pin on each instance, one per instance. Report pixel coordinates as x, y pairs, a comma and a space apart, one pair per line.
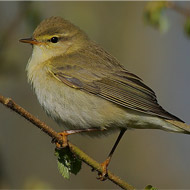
115, 84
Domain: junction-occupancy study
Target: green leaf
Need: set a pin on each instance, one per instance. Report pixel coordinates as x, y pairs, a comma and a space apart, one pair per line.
149, 187
187, 27
67, 162
153, 15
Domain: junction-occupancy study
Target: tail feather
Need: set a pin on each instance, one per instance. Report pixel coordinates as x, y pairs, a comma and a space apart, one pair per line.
181, 125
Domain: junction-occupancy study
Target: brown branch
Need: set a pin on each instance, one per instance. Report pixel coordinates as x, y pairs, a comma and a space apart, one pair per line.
181, 10
53, 134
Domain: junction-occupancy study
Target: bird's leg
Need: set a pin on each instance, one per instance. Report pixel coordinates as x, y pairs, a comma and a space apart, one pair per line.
105, 164
65, 133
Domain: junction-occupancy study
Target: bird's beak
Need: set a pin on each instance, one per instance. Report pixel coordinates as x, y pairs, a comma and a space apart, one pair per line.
30, 41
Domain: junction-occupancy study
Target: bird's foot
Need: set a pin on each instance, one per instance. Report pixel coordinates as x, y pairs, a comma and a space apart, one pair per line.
104, 174
64, 143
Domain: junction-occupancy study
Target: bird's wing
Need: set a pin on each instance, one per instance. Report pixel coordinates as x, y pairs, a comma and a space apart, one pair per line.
116, 85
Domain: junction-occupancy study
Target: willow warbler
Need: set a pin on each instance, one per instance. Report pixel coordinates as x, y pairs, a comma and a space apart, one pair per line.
82, 87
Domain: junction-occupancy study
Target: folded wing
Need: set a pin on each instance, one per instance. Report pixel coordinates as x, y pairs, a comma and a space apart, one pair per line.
116, 85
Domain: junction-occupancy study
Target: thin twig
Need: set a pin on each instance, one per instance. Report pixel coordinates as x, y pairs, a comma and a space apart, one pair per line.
53, 134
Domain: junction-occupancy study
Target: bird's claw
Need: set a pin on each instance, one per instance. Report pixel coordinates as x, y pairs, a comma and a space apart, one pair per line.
64, 143
102, 176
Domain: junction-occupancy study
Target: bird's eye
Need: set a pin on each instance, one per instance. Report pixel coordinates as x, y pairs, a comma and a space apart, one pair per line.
54, 39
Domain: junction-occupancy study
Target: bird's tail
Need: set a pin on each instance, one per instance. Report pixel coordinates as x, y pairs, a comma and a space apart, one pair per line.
185, 128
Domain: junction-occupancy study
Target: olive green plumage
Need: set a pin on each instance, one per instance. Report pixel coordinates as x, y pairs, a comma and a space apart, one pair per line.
81, 85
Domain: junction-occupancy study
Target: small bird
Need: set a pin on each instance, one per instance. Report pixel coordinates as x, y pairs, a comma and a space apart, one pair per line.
85, 89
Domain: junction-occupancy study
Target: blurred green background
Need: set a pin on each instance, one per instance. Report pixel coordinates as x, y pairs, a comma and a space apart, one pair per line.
161, 59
